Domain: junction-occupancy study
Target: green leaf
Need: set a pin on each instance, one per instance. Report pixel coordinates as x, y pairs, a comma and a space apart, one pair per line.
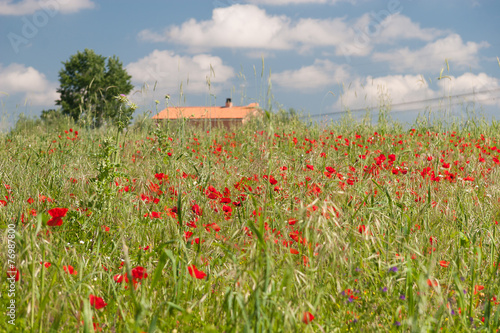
57, 320
88, 326
175, 306
159, 269
464, 241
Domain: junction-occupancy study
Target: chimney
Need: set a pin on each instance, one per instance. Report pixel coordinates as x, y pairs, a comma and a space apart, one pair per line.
229, 103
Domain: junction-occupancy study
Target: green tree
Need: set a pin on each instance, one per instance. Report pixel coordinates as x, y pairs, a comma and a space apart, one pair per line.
56, 119
89, 86
50, 114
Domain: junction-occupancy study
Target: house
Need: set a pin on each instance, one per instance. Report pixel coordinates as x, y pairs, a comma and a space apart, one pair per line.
227, 115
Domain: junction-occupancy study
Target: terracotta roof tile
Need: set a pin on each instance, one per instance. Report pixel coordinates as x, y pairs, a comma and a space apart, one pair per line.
211, 112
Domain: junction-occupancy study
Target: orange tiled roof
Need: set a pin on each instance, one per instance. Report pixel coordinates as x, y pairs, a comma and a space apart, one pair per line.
209, 112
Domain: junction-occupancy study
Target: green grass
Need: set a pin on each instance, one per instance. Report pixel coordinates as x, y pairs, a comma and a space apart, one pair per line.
343, 234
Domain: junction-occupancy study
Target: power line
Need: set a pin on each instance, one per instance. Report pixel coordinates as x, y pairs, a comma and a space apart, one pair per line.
401, 111
408, 103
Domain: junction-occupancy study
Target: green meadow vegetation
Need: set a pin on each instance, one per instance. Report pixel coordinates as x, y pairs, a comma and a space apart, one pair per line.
275, 226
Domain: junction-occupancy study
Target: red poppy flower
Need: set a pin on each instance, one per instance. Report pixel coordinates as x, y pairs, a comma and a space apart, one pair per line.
139, 273
187, 234
155, 215
307, 317
192, 224
380, 159
194, 272
294, 251
478, 288
97, 302
294, 235
120, 277
432, 282
97, 328
13, 273
444, 263
196, 209
57, 215
212, 195
3, 203
361, 228
43, 198
47, 264
161, 176
330, 169
272, 180
305, 260
70, 270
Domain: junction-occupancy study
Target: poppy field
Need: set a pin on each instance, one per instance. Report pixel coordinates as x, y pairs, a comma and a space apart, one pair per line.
274, 226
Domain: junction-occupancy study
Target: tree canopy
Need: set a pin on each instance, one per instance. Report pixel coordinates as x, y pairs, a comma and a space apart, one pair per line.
88, 88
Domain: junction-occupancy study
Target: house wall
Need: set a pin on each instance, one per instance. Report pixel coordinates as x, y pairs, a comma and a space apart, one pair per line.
207, 123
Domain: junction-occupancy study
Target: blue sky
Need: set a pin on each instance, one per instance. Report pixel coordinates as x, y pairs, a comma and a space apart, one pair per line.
320, 56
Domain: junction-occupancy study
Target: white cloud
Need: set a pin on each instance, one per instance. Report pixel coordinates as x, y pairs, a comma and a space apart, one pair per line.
392, 89
168, 70
397, 27
319, 75
307, 33
380, 27
34, 87
27, 7
247, 26
432, 56
472, 87
413, 92
238, 26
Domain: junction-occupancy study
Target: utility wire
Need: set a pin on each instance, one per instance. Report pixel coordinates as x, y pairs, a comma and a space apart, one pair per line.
369, 108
